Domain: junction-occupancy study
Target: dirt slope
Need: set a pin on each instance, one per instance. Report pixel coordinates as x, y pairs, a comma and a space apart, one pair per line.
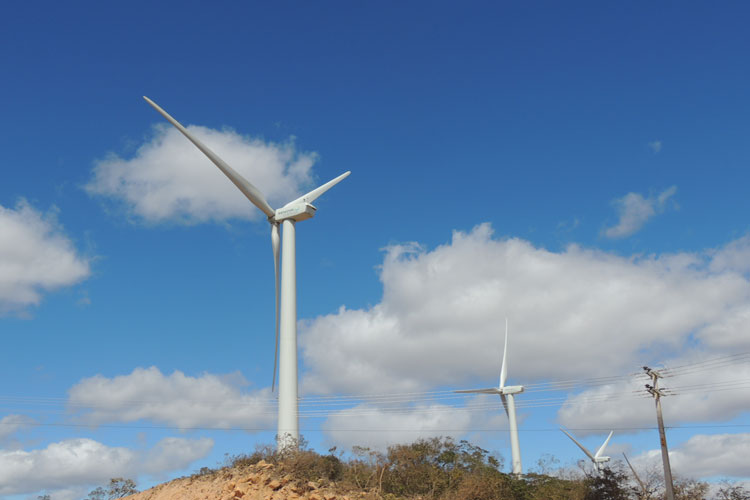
256, 482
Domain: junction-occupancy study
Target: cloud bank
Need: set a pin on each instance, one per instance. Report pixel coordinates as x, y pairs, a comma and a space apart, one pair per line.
440, 320
169, 179
82, 462
35, 257
693, 399
377, 426
704, 455
177, 399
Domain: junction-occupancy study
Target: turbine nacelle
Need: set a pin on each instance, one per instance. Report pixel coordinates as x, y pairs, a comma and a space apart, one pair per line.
510, 389
297, 212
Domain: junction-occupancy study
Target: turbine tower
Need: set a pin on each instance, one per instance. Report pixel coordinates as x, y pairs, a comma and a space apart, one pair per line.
506, 394
286, 315
597, 458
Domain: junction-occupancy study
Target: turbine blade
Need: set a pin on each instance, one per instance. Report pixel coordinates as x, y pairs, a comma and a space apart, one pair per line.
251, 192
275, 245
601, 448
491, 390
504, 368
315, 193
637, 478
505, 404
583, 448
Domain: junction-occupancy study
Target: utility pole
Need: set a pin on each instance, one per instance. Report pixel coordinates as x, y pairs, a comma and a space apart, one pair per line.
657, 394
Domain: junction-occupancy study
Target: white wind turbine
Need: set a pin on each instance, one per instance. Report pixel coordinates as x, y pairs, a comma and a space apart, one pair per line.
507, 396
598, 459
286, 315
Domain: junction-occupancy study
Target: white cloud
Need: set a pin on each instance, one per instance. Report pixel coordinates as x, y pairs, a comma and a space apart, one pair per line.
618, 406
174, 453
705, 456
732, 257
75, 462
377, 426
10, 424
35, 257
440, 321
634, 210
655, 146
169, 179
176, 399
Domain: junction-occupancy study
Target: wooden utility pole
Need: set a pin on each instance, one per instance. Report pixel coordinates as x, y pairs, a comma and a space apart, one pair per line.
657, 394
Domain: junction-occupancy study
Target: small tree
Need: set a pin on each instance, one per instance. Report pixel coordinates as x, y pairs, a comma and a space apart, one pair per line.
690, 489
118, 487
729, 491
97, 494
607, 485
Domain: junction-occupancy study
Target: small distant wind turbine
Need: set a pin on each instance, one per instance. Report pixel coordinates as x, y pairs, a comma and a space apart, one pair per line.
506, 394
597, 458
286, 316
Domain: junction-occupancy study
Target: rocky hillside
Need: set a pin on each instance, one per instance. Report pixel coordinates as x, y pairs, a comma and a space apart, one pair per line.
261, 481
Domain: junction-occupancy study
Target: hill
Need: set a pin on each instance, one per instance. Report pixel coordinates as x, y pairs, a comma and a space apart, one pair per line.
261, 481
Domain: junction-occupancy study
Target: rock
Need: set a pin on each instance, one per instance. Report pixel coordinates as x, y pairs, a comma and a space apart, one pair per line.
274, 484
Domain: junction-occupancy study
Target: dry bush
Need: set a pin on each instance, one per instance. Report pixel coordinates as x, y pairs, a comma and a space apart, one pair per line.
481, 486
433, 467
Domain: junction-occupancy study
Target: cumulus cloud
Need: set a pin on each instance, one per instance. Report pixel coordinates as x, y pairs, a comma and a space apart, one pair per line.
169, 179
440, 320
176, 399
704, 456
377, 426
734, 256
634, 210
74, 462
36, 257
626, 405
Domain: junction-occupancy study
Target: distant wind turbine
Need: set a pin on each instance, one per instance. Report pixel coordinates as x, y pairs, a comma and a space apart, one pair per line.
286, 315
506, 394
598, 459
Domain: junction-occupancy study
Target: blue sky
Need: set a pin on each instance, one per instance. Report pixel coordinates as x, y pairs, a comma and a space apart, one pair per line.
579, 168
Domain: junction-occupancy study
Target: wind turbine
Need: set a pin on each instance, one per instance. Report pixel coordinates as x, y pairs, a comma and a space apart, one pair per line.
286, 315
597, 458
507, 396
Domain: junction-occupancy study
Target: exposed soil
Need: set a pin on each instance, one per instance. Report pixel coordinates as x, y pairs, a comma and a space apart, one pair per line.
262, 481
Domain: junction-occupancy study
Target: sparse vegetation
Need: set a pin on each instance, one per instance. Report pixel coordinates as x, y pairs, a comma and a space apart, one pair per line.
118, 487
440, 469
443, 469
